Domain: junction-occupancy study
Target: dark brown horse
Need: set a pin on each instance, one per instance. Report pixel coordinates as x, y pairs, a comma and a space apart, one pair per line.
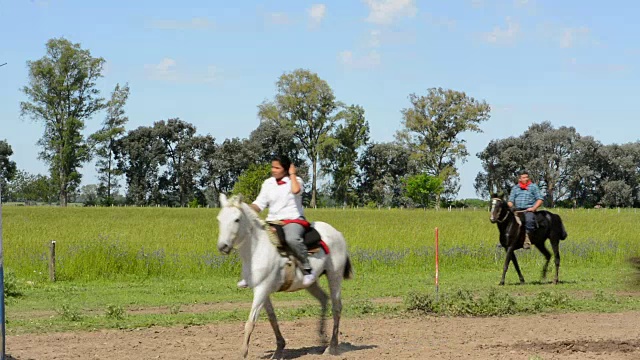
512, 235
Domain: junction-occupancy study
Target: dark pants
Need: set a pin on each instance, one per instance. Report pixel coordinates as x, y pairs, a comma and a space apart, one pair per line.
529, 220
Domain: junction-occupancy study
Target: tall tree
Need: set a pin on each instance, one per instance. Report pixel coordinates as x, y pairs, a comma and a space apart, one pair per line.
341, 155
140, 154
269, 139
251, 180
7, 167
182, 148
306, 104
383, 167
28, 187
62, 94
105, 140
549, 151
431, 130
223, 164
422, 188
501, 161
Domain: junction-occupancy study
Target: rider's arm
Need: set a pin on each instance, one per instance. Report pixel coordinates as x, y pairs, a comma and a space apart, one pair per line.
261, 201
538, 197
295, 185
537, 204
512, 197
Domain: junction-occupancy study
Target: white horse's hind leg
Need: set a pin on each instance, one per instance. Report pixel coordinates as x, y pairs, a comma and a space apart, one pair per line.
319, 294
335, 283
268, 307
259, 298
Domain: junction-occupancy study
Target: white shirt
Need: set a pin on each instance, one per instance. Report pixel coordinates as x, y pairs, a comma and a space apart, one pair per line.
283, 204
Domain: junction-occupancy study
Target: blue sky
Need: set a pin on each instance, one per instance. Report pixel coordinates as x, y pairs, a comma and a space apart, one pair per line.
211, 63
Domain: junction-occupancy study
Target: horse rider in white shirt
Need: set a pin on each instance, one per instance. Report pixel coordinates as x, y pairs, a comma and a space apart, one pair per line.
282, 194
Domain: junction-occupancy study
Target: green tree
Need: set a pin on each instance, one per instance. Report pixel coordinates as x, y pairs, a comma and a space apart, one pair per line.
62, 94
105, 141
7, 167
223, 164
182, 152
341, 154
140, 154
617, 193
250, 181
431, 130
306, 104
383, 166
28, 187
422, 188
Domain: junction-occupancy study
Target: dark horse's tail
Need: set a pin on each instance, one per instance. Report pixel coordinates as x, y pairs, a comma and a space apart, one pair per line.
559, 226
348, 270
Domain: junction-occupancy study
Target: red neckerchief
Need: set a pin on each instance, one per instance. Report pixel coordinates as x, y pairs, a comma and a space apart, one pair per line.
524, 186
280, 182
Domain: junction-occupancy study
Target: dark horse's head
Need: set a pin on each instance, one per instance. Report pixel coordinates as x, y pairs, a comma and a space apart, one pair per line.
499, 209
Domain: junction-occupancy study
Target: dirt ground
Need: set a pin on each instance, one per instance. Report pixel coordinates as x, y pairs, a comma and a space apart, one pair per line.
552, 336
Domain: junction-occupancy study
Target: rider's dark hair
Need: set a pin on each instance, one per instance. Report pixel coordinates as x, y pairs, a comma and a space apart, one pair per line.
524, 172
284, 161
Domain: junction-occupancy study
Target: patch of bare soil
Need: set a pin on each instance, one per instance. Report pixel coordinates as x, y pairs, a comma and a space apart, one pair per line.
556, 336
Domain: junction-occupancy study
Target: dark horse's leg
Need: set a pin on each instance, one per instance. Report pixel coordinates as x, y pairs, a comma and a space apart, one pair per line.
555, 244
547, 255
511, 256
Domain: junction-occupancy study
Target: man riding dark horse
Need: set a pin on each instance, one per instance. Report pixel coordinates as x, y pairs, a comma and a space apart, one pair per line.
525, 197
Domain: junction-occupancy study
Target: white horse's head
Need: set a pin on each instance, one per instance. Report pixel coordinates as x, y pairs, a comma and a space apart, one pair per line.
229, 220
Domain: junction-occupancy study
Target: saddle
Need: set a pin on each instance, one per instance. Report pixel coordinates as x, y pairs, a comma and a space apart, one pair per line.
311, 240
539, 217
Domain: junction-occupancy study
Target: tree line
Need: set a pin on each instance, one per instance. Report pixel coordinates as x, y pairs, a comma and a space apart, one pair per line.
169, 163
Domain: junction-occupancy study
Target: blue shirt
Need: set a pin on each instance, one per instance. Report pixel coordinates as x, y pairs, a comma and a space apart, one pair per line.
524, 199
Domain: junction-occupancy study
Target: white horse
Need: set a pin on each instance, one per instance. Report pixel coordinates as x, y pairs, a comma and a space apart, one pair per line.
264, 268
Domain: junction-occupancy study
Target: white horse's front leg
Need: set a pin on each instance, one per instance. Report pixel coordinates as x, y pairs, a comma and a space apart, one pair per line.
268, 306
259, 297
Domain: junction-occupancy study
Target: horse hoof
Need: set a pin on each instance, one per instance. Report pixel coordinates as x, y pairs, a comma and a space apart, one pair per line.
501, 283
332, 350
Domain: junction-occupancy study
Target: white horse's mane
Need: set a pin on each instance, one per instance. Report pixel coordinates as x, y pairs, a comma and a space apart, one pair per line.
236, 201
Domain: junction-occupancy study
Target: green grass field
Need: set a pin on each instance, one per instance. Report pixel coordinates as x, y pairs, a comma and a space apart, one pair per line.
111, 261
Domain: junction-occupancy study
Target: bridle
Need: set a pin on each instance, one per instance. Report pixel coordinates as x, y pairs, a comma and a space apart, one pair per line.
506, 213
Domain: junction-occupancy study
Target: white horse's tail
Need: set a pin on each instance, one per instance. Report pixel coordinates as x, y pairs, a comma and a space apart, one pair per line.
348, 269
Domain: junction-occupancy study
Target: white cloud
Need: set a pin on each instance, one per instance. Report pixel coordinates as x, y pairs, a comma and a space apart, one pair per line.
441, 21
477, 3
523, 3
385, 12
277, 18
368, 61
568, 37
503, 36
317, 13
374, 38
593, 68
165, 70
573, 36
43, 4
196, 23
106, 68
168, 70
